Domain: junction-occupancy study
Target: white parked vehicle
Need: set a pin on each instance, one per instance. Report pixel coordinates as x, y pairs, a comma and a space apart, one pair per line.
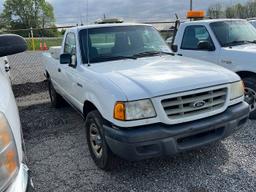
230, 43
253, 22
140, 100
4, 66
14, 174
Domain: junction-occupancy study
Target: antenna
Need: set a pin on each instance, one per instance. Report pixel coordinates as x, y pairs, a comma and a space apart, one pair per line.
87, 33
80, 15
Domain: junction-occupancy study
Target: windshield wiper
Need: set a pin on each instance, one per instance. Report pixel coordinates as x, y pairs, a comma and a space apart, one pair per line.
152, 53
254, 41
233, 43
108, 58
123, 57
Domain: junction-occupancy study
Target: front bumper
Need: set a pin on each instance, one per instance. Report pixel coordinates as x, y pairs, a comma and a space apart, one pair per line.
22, 182
164, 140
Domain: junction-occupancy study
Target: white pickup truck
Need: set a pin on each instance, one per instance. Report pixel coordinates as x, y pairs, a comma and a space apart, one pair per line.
14, 173
140, 100
4, 66
230, 43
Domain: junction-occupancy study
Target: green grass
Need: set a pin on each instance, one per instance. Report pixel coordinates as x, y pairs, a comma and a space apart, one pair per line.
49, 43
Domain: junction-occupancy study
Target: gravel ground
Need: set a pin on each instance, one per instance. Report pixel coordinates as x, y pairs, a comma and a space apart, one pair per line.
60, 161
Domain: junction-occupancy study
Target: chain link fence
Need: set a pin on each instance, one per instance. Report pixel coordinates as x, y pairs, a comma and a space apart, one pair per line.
27, 67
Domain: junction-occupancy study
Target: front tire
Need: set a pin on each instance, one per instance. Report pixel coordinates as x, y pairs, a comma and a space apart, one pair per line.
56, 99
99, 150
250, 95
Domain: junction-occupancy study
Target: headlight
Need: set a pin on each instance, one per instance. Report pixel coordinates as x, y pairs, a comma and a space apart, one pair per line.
236, 90
135, 110
8, 154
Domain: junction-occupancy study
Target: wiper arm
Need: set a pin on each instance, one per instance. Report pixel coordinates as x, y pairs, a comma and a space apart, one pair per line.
108, 58
152, 53
123, 57
167, 53
254, 41
237, 43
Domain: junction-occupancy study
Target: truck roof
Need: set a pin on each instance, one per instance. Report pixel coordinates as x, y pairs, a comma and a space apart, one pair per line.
212, 21
91, 26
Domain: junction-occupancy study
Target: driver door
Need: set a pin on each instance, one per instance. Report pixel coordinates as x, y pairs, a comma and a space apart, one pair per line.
65, 70
192, 36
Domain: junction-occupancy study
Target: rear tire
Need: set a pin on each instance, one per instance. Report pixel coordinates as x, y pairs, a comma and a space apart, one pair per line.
99, 150
250, 95
56, 99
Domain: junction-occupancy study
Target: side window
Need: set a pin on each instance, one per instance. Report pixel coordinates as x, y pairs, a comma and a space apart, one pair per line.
193, 35
70, 47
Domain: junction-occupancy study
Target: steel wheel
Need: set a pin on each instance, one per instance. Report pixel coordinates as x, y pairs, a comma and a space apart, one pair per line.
96, 140
250, 98
99, 150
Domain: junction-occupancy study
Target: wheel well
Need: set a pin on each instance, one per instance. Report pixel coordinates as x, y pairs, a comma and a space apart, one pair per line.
88, 107
244, 74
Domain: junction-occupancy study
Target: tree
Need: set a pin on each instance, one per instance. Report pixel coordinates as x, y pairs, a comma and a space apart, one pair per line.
24, 14
251, 8
239, 10
215, 11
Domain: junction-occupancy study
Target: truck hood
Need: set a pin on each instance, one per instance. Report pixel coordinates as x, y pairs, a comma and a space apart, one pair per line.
247, 48
161, 75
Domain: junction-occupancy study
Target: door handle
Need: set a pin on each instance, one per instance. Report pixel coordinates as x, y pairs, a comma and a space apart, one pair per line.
59, 70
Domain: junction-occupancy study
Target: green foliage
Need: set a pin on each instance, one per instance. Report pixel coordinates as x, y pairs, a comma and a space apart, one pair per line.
24, 14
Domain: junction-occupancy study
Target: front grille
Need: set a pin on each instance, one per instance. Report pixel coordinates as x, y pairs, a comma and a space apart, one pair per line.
186, 106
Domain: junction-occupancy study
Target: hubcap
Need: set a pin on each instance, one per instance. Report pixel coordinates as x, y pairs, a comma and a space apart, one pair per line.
250, 98
95, 140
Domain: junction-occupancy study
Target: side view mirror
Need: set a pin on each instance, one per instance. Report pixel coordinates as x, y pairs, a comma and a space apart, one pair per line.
65, 58
11, 44
174, 48
205, 45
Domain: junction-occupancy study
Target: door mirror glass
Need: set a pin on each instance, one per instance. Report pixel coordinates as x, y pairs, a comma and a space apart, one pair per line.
11, 44
65, 58
205, 45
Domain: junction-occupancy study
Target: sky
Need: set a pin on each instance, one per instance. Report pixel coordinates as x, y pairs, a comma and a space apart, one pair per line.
75, 11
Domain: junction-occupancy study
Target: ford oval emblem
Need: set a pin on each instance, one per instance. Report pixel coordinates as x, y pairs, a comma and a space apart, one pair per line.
199, 104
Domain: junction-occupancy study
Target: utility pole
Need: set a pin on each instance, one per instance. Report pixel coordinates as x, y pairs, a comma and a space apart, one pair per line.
191, 5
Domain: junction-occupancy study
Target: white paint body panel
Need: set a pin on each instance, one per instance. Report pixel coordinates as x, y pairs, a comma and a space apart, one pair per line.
238, 58
9, 108
3, 64
105, 83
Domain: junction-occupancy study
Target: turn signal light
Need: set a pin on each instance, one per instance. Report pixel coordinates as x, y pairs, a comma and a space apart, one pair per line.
4, 139
119, 111
10, 163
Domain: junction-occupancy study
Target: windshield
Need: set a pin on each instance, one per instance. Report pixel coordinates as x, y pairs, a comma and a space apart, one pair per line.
232, 33
121, 42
